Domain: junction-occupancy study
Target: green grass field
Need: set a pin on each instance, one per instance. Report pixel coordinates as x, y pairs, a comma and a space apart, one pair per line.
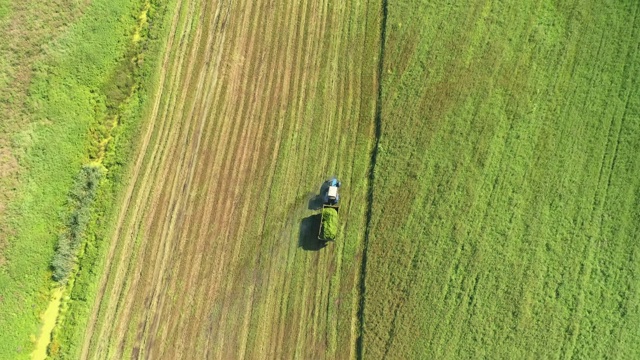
506, 212
60, 64
497, 216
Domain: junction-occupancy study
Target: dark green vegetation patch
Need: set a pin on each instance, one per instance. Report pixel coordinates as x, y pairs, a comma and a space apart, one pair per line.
80, 200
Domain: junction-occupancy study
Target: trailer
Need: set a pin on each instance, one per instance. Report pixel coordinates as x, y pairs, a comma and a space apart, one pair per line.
324, 222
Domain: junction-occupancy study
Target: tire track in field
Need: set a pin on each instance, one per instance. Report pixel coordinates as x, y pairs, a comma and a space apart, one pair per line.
320, 311
241, 152
227, 303
227, 293
371, 179
261, 110
217, 159
280, 57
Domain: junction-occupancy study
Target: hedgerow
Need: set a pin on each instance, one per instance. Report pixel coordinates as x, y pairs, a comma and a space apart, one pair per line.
81, 197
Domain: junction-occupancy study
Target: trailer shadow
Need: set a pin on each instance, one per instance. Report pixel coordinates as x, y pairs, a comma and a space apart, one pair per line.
308, 237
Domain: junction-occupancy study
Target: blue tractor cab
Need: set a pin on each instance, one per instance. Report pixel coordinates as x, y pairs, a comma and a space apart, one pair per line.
331, 196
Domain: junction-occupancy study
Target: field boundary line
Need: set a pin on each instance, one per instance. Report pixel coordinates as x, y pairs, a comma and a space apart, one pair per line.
371, 178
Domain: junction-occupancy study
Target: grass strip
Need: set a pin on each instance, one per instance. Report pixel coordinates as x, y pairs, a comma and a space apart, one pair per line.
85, 102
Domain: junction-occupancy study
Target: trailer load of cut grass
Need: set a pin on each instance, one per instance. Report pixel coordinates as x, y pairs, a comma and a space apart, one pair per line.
329, 223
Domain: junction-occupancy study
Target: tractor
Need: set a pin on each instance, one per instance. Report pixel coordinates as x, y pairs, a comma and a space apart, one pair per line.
331, 196
329, 218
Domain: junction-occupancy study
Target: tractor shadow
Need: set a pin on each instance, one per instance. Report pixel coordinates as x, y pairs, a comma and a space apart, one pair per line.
316, 201
308, 237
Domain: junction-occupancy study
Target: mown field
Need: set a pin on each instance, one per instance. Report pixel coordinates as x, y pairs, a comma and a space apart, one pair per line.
213, 253
505, 220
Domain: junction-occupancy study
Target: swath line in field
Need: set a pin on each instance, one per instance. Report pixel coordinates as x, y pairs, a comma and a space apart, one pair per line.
184, 212
370, 196
193, 269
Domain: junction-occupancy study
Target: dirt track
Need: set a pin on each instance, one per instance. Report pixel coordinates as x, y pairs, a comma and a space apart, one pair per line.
213, 253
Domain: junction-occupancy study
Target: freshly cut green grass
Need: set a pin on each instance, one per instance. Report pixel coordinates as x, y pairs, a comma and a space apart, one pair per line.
329, 223
506, 211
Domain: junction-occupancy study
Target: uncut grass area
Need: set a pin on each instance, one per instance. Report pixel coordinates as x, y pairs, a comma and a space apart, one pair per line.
506, 208
57, 62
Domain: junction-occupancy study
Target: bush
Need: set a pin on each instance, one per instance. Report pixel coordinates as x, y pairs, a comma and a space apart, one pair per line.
329, 223
80, 200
